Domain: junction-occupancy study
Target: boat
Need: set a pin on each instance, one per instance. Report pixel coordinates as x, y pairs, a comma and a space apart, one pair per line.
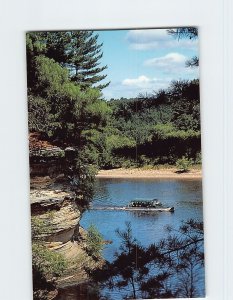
140, 205
154, 203
147, 205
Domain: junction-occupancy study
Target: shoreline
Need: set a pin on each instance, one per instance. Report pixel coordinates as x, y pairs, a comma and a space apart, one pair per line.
135, 173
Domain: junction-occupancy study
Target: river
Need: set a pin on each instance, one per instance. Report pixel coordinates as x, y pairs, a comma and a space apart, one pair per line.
185, 195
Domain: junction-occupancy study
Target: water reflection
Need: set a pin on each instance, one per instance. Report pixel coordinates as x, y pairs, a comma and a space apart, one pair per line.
184, 195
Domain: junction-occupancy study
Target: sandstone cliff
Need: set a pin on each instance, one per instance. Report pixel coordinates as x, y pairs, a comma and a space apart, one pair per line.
54, 205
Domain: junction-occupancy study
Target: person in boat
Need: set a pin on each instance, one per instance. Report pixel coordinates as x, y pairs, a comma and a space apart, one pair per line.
156, 203
147, 204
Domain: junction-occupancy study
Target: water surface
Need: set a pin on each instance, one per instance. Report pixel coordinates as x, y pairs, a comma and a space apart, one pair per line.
185, 195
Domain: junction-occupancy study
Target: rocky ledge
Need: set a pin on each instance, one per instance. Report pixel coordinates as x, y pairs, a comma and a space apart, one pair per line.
55, 207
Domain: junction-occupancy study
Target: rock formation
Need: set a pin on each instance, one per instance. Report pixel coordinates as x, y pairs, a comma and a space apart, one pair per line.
53, 203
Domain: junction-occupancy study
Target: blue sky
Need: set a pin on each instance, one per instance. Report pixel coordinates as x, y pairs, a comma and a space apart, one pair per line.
142, 61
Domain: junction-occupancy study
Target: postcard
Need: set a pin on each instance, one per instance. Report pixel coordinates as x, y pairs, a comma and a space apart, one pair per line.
115, 164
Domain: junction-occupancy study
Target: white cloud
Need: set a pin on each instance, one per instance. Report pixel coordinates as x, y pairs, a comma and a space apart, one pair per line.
142, 81
173, 65
147, 39
132, 87
170, 60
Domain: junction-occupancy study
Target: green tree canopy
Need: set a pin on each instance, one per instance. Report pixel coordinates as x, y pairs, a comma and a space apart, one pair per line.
63, 108
77, 51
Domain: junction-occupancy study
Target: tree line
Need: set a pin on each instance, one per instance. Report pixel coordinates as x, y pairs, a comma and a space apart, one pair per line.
66, 105
161, 127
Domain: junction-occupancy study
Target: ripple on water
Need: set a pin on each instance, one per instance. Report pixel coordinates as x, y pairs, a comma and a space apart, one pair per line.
184, 195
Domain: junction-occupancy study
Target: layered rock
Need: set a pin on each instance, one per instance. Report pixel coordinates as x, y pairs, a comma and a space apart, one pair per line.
60, 215
54, 207
59, 212
46, 158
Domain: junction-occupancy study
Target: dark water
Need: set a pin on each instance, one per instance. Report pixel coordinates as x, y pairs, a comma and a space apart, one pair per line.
184, 195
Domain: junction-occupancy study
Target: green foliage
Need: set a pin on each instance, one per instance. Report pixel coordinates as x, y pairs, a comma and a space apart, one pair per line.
50, 76
95, 241
38, 114
77, 51
64, 76
82, 176
198, 159
128, 163
65, 110
68, 115
168, 269
118, 141
45, 261
49, 264
65, 105
163, 131
46, 264
163, 126
98, 111
166, 131
183, 164
143, 161
38, 228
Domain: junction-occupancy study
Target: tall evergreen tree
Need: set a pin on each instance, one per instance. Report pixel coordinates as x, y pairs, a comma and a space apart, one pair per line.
79, 52
83, 62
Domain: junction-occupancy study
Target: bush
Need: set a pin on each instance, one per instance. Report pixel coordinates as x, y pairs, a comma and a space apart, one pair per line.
46, 265
40, 228
198, 159
46, 262
143, 160
183, 164
95, 241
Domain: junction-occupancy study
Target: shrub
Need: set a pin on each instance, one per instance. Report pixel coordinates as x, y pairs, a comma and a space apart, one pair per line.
95, 241
183, 164
47, 262
198, 159
143, 160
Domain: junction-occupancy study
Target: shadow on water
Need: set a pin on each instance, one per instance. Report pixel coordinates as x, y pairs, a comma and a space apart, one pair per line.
185, 196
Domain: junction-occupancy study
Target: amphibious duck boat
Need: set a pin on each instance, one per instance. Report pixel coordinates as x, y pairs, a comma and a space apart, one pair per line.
154, 203
147, 205
140, 206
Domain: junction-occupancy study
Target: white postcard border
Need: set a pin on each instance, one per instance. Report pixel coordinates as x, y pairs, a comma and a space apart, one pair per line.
214, 20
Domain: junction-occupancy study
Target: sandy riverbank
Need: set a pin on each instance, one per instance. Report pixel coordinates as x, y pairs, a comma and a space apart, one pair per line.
151, 173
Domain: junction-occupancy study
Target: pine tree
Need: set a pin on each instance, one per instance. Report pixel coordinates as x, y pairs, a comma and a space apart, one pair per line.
186, 33
80, 53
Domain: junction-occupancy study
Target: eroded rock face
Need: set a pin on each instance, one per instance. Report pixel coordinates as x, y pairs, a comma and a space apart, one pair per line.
54, 209
57, 212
